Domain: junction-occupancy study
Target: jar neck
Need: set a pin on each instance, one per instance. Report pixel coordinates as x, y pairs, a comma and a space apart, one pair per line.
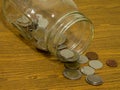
77, 29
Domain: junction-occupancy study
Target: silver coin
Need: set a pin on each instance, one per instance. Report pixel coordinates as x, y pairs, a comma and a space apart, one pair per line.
23, 21
72, 65
83, 59
96, 64
67, 55
38, 34
61, 47
62, 39
87, 70
72, 74
42, 21
94, 80
40, 44
75, 58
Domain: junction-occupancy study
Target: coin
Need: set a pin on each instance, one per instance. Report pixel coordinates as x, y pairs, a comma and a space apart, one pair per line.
72, 65
92, 55
87, 70
33, 26
60, 47
62, 39
83, 59
72, 74
67, 55
23, 21
111, 63
42, 21
38, 34
40, 44
96, 64
94, 80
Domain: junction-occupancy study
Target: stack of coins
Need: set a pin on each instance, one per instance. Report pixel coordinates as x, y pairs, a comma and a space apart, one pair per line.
72, 61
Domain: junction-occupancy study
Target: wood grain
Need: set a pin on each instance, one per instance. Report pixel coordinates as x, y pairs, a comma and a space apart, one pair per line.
24, 68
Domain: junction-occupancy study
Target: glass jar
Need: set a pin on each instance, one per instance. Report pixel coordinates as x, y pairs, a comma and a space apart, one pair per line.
50, 23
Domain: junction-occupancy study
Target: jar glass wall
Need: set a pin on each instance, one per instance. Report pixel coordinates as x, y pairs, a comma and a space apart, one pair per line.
75, 31
46, 22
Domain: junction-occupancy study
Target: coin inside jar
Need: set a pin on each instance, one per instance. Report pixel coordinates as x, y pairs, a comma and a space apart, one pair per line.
83, 59
61, 47
72, 74
62, 39
23, 21
67, 55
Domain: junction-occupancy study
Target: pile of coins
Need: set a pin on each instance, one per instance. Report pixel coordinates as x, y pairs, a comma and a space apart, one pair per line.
33, 25
72, 61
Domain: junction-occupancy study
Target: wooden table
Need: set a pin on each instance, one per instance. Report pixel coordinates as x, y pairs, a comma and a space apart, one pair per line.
24, 68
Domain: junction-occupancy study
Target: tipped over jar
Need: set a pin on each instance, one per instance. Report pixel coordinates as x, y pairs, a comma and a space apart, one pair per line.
50, 24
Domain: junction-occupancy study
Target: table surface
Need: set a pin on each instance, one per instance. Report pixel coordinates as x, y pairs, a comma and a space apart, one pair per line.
24, 68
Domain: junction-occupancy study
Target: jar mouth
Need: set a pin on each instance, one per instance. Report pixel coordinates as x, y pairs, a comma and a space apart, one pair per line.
78, 40
78, 31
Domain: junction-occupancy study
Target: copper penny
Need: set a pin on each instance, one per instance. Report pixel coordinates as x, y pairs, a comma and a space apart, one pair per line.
111, 63
92, 55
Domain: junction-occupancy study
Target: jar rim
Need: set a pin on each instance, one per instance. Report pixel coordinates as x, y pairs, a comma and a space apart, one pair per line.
64, 27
